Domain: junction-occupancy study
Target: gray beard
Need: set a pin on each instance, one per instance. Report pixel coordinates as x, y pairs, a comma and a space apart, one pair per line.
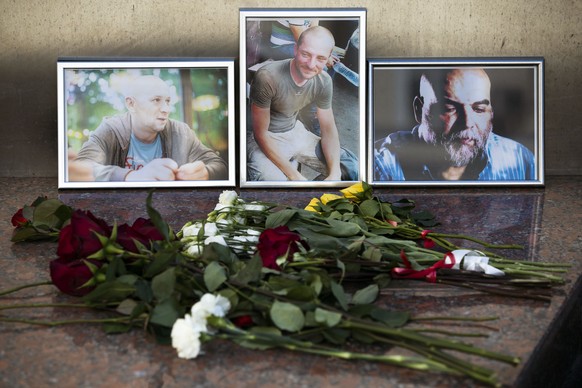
460, 154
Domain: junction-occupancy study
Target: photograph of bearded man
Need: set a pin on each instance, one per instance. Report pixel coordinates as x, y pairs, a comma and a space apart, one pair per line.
454, 138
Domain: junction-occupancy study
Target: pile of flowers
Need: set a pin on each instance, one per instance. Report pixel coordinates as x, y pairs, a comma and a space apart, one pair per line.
269, 275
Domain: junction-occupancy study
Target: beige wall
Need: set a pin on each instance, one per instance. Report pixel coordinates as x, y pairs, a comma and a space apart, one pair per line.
34, 33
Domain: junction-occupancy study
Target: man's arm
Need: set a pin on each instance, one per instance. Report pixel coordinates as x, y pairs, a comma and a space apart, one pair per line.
162, 169
261, 118
330, 143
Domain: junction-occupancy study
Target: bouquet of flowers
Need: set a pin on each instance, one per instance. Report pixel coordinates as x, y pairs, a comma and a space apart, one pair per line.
268, 275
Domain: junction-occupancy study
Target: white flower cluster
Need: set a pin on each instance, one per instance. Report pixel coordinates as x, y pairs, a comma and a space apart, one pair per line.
186, 331
224, 226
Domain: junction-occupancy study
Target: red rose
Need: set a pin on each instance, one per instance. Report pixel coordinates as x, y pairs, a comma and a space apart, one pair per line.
277, 242
142, 230
243, 321
147, 228
68, 276
77, 240
18, 219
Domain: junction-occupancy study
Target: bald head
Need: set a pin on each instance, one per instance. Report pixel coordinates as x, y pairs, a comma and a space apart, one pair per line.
317, 34
436, 84
149, 102
147, 85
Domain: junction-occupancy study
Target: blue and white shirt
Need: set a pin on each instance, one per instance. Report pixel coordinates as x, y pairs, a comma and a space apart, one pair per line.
404, 156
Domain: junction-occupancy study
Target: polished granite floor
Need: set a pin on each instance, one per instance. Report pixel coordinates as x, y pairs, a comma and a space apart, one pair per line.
546, 336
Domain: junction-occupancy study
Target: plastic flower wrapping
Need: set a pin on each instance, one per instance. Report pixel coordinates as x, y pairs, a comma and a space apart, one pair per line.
267, 275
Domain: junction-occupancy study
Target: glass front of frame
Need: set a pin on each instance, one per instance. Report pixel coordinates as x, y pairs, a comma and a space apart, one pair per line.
146, 123
458, 122
302, 97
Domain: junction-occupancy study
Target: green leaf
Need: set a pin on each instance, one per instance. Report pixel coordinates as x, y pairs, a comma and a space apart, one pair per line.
157, 219
164, 283
250, 272
143, 290
361, 310
338, 291
392, 319
366, 295
115, 269
116, 328
139, 310
424, 218
128, 279
337, 228
382, 280
336, 336
278, 283
302, 293
46, 213
159, 264
279, 218
113, 291
214, 276
64, 214
165, 313
370, 207
287, 316
313, 280
320, 241
329, 318
219, 252
30, 233
126, 307
372, 253
386, 209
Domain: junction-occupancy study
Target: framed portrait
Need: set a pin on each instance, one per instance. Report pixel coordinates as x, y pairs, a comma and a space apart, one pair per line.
302, 97
464, 122
146, 123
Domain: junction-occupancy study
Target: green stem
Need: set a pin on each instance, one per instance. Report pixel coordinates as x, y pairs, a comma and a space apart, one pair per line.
41, 305
427, 341
476, 372
436, 361
461, 319
11, 290
450, 333
65, 322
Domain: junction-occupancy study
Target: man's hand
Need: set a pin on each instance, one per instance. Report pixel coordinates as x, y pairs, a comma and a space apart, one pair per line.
79, 170
157, 170
195, 171
337, 176
296, 176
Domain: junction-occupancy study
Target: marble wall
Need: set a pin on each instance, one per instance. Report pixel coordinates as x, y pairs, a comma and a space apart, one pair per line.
34, 33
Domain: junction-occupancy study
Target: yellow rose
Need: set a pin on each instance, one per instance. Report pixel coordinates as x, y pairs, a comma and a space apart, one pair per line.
357, 192
325, 198
311, 207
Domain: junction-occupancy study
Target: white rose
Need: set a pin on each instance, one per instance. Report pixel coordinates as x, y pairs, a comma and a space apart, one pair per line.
194, 249
210, 229
228, 197
215, 239
224, 221
254, 207
220, 207
191, 230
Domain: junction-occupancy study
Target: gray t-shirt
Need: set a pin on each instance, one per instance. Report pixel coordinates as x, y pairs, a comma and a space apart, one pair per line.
274, 88
140, 154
